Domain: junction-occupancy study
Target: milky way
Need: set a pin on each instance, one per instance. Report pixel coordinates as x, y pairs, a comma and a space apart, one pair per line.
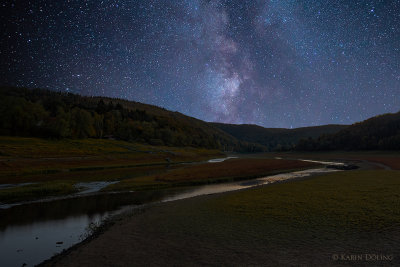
274, 63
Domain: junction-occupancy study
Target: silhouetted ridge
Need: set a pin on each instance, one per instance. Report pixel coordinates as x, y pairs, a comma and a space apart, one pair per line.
381, 132
276, 139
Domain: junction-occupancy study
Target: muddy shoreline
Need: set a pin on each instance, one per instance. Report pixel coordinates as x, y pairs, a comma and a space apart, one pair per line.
124, 217
199, 231
143, 216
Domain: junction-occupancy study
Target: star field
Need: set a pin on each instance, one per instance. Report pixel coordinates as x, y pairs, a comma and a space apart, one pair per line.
274, 63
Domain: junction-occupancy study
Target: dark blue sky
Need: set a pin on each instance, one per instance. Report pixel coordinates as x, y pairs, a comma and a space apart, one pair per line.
274, 63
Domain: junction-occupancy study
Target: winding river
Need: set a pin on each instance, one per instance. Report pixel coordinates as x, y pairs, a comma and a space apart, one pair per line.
33, 232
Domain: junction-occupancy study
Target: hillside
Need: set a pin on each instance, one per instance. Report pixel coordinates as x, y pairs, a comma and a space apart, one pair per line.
50, 114
57, 115
381, 132
276, 138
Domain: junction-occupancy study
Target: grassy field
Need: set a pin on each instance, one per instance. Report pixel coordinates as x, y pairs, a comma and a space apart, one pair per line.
36, 191
341, 202
56, 165
47, 148
334, 206
303, 222
31, 156
34, 159
229, 170
51, 163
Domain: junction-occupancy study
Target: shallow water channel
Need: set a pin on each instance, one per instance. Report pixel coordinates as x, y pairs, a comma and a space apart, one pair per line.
33, 232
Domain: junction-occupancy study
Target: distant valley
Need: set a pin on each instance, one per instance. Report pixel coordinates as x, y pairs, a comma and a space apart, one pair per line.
49, 114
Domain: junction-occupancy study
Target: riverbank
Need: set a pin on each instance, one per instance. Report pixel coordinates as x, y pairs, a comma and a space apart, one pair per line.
34, 168
318, 221
69, 219
235, 169
168, 178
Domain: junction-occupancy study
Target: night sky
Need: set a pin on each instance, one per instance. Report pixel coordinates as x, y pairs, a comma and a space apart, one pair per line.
274, 63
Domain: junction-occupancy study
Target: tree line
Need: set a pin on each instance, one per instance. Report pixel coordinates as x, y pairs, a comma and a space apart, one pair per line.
50, 114
378, 133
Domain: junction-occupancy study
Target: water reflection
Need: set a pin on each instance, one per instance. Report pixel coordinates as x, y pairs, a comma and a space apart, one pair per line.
226, 187
31, 233
63, 208
220, 159
92, 187
32, 243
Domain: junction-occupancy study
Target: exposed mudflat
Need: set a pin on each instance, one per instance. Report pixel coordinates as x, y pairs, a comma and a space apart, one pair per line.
210, 230
142, 239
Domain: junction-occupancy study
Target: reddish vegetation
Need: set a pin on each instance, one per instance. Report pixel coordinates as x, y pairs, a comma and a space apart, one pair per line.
392, 162
113, 167
232, 168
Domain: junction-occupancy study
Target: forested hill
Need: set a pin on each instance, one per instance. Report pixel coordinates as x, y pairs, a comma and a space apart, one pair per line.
50, 114
276, 138
381, 132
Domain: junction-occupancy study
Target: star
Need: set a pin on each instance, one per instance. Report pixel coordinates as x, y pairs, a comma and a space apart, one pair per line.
273, 63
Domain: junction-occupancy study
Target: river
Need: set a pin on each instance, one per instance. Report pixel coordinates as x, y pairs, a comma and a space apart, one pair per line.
33, 232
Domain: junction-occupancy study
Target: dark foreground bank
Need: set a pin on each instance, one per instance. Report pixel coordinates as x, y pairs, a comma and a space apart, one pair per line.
343, 218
